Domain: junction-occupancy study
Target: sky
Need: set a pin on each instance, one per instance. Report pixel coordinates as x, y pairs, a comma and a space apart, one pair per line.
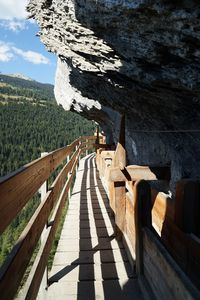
21, 51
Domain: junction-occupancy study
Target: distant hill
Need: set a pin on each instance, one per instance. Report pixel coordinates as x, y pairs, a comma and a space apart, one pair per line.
21, 76
31, 90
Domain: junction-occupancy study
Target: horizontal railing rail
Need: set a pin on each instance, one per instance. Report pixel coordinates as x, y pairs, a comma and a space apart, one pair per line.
16, 190
161, 234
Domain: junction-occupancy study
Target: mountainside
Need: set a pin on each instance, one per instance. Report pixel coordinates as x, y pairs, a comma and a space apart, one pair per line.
27, 89
31, 122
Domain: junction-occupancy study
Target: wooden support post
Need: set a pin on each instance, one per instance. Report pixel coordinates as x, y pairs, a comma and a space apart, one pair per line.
78, 158
97, 135
69, 174
142, 193
120, 208
120, 153
86, 152
119, 187
44, 282
187, 206
122, 131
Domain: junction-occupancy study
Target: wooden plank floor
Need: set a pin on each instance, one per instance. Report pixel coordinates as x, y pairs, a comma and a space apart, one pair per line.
90, 263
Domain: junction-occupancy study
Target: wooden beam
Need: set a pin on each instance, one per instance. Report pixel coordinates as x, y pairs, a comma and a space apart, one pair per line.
120, 208
162, 208
122, 131
89, 137
142, 192
133, 173
20, 186
20, 256
120, 157
97, 135
187, 206
104, 146
166, 278
120, 153
33, 283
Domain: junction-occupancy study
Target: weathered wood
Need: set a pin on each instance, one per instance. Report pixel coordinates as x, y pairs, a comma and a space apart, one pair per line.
97, 135
120, 207
130, 173
120, 157
130, 223
122, 131
166, 279
187, 206
111, 195
142, 194
102, 264
120, 153
31, 289
103, 146
84, 138
135, 172
193, 264
17, 188
175, 241
105, 160
21, 254
184, 248
162, 208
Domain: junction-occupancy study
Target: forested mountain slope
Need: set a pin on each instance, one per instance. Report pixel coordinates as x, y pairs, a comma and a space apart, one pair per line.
30, 123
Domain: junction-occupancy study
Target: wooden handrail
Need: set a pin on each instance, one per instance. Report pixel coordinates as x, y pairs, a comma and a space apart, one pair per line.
35, 277
15, 191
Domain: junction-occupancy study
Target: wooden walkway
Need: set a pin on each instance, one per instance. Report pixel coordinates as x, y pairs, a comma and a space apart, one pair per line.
90, 263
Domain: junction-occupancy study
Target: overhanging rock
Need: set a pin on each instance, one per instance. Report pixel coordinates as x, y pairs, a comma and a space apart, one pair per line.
138, 58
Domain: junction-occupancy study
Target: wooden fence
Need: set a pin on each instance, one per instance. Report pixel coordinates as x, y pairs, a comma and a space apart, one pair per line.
162, 234
15, 191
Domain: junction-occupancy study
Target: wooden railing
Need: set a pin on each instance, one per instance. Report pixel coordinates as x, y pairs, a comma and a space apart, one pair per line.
15, 191
162, 235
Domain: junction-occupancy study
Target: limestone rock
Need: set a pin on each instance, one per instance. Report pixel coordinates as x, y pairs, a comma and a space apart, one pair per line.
138, 57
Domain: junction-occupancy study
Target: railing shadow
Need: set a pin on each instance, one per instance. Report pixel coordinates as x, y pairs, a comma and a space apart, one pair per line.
97, 244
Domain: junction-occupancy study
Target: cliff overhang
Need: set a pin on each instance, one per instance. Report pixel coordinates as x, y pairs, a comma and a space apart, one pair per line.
138, 58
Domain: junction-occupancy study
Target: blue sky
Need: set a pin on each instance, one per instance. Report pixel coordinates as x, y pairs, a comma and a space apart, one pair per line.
20, 50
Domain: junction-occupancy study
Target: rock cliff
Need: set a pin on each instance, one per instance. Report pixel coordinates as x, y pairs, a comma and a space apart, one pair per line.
140, 58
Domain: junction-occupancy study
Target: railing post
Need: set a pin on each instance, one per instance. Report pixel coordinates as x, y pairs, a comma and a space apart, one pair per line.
86, 152
97, 135
120, 208
42, 293
79, 158
187, 206
119, 187
142, 194
68, 177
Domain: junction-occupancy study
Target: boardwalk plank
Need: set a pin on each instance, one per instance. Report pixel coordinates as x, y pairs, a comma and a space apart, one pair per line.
90, 263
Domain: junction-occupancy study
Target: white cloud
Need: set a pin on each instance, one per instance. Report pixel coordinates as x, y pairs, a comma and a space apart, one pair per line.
8, 51
14, 25
13, 9
5, 52
31, 56
13, 14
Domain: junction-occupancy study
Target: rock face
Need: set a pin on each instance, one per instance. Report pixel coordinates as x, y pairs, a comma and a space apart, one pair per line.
140, 58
